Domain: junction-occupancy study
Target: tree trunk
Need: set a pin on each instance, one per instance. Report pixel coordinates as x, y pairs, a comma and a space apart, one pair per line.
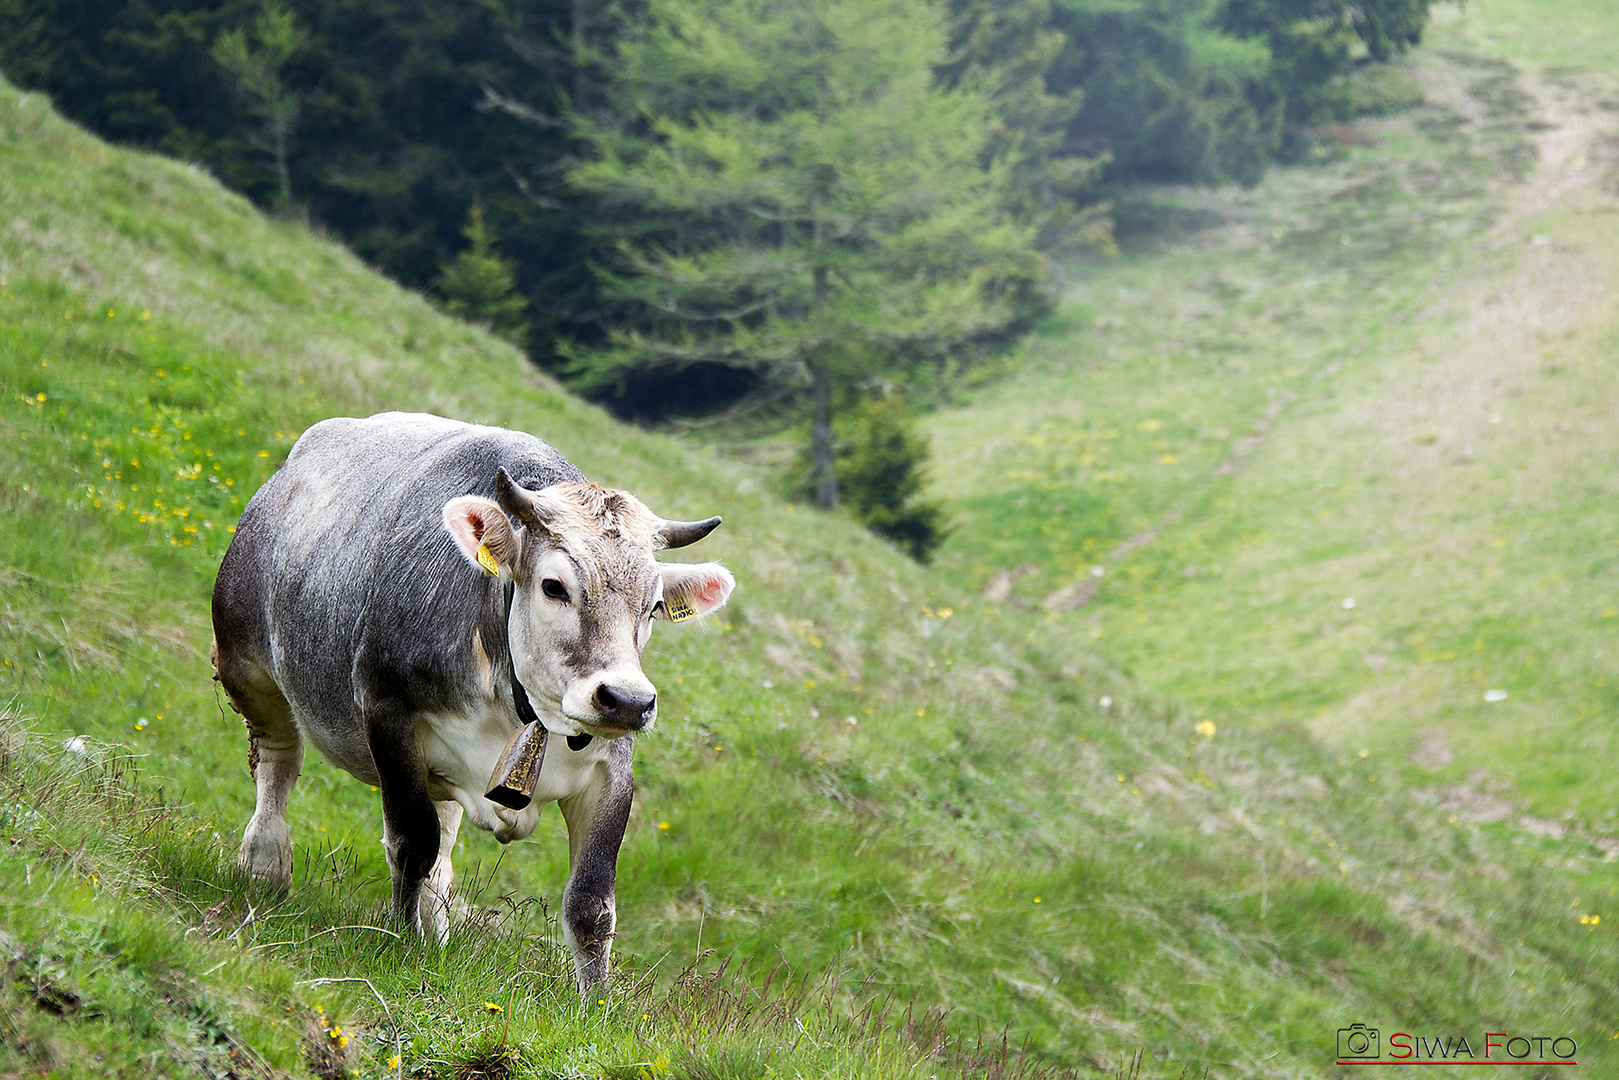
826, 480
282, 172
580, 14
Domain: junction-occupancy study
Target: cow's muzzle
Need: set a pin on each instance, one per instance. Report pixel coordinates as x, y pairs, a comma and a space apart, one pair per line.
611, 703
623, 707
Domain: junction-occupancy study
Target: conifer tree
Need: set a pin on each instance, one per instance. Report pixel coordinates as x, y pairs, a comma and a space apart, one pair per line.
1014, 44
792, 191
882, 466
480, 285
258, 63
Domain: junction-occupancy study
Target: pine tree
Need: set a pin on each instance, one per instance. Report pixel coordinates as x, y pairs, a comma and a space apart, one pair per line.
882, 467
480, 285
1011, 46
791, 191
1169, 93
258, 62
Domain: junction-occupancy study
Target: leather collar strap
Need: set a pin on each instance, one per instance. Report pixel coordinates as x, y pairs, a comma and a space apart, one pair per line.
525, 711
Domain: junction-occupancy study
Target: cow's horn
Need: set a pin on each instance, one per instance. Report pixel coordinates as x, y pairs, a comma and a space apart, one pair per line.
679, 534
516, 500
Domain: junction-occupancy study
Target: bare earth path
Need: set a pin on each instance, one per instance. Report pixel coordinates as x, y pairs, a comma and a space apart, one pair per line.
1518, 374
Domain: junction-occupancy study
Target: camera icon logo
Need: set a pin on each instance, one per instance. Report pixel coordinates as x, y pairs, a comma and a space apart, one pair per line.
1357, 1041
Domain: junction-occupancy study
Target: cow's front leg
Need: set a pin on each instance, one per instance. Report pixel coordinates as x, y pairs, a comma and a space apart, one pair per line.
410, 822
442, 879
596, 818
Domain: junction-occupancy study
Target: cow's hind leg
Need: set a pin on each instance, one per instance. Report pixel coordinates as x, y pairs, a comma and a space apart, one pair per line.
411, 827
436, 893
596, 820
275, 758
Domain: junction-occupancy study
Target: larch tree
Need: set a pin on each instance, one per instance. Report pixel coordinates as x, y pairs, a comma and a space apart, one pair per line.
790, 189
258, 61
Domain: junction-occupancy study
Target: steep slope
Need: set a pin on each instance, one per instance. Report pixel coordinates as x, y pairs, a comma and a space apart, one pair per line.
864, 769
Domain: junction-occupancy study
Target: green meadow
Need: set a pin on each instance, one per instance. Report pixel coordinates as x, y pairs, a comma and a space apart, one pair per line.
1343, 451
1342, 447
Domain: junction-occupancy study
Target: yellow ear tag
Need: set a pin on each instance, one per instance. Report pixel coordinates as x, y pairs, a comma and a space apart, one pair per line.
679, 609
486, 559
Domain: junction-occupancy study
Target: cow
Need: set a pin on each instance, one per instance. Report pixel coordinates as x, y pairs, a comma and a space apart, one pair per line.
404, 593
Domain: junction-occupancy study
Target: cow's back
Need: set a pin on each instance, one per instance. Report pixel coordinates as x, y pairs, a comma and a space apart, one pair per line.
341, 577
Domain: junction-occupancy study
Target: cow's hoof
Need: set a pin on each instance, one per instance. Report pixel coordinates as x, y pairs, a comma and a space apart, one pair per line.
267, 854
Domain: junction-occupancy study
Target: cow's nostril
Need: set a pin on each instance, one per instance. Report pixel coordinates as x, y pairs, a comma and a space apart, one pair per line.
624, 706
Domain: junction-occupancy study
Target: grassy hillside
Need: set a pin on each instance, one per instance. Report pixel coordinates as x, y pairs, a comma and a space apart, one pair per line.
911, 796
1346, 457
1570, 34
1337, 454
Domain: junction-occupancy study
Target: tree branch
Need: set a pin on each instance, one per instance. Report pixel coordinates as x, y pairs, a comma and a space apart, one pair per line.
494, 99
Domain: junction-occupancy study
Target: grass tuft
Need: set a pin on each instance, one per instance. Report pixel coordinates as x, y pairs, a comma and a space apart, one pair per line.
494, 1062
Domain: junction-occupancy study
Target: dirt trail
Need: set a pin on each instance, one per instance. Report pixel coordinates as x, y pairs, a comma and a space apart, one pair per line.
1565, 145
1546, 293
1507, 419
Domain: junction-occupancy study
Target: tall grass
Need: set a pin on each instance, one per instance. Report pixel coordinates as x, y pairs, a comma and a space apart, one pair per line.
128, 919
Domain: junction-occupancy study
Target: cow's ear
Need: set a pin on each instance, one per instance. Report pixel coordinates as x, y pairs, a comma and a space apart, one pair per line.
483, 534
692, 590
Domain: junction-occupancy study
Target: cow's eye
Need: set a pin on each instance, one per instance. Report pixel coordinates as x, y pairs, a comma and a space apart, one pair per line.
554, 589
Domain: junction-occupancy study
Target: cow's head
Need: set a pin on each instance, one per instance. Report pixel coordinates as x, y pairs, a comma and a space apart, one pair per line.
587, 587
